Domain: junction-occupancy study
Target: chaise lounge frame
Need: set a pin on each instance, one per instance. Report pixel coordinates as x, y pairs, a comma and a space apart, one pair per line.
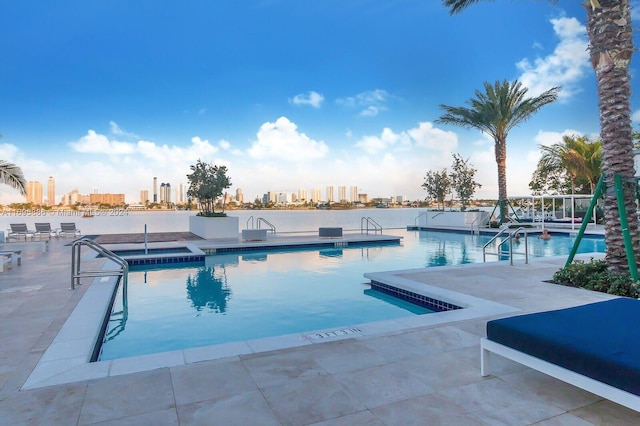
592, 347
583, 382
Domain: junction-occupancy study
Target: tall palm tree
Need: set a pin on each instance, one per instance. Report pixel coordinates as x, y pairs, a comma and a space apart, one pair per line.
499, 109
576, 156
610, 33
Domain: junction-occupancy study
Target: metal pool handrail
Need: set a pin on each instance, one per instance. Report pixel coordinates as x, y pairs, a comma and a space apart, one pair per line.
272, 228
266, 222
77, 273
510, 236
366, 221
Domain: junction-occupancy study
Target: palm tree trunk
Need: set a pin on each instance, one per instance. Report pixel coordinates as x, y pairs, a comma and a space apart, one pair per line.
611, 46
501, 161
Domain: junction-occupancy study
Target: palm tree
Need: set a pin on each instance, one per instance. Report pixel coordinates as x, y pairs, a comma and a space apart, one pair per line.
499, 109
610, 46
576, 156
11, 175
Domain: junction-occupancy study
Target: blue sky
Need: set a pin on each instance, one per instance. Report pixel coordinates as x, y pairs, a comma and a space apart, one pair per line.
287, 94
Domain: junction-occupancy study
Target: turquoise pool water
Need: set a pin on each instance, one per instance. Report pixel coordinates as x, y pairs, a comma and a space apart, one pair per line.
249, 295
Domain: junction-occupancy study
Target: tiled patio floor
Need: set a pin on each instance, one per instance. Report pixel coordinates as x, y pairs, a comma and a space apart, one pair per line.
429, 375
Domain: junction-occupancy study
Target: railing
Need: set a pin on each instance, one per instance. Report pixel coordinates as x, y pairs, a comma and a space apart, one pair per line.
260, 220
474, 222
510, 237
77, 273
415, 221
365, 222
266, 222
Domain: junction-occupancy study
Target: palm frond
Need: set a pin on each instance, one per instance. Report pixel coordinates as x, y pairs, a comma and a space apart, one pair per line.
11, 175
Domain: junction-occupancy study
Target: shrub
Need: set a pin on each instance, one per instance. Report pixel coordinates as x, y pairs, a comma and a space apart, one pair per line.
595, 276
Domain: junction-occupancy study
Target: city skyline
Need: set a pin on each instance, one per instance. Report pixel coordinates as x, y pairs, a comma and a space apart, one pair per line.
283, 103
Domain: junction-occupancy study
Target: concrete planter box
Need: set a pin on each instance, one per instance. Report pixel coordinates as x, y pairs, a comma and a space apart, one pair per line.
214, 227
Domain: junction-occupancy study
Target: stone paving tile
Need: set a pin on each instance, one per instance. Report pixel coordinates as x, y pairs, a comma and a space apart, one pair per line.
444, 338
210, 380
433, 409
344, 355
551, 390
363, 418
58, 405
383, 384
124, 396
280, 368
168, 417
396, 347
436, 369
566, 419
248, 408
608, 413
497, 403
302, 402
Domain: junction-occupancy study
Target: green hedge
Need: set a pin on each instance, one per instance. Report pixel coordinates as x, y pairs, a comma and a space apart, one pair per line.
595, 276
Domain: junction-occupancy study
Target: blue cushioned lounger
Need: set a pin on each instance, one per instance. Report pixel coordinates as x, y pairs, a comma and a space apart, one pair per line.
595, 346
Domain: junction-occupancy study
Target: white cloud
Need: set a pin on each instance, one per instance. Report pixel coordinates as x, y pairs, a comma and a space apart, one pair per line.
96, 143
427, 136
372, 102
281, 140
565, 67
635, 117
224, 144
423, 136
310, 98
119, 131
549, 138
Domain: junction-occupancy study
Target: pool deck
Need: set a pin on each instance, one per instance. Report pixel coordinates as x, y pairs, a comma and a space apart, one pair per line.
419, 375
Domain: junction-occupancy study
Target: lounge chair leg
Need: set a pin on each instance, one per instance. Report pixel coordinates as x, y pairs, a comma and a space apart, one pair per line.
484, 361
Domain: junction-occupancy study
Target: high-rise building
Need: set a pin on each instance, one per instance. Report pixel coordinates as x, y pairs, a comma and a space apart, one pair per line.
302, 195
239, 196
315, 195
281, 198
144, 196
182, 196
342, 193
329, 194
51, 191
113, 199
354, 194
34, 193
155, 189
165, 193
294, 197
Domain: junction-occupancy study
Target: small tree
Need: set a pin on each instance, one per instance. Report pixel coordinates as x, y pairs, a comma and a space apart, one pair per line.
437, 185
462, 180
207, 183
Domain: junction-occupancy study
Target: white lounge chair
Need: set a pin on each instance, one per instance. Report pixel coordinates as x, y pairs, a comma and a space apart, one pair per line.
69, 229
19, 230
44, 229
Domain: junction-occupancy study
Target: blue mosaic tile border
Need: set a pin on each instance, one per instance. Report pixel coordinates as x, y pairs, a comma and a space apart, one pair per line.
165, 260
415, 298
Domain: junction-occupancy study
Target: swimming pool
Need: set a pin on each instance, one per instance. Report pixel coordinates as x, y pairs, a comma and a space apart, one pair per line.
247, 295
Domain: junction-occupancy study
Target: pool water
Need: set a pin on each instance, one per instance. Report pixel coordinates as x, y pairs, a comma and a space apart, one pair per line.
248, 295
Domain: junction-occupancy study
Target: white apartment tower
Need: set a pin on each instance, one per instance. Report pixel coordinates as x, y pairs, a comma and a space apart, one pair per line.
342, 193
144, 196
330, 198
354, 194
302, 195
51, 191
315, 195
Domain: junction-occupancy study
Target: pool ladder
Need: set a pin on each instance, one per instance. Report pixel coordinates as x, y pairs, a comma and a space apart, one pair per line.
77, 273
366, 223
259, 221
509, 238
